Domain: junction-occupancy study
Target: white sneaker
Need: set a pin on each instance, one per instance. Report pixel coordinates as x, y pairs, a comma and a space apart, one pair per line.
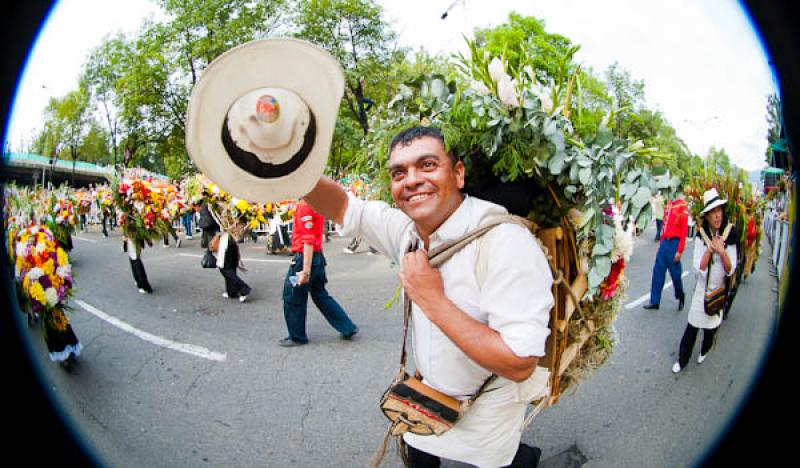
242, 298
178, 243
701, 358
142, 291
676, 368
188, 237
348, 251
225, 295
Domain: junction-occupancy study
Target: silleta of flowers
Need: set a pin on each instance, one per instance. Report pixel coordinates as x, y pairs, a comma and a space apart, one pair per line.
144, 216
43, 270
515, 134
235, 214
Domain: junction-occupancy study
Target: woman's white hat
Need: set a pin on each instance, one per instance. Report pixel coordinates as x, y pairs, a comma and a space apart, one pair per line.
711, 200
260, 120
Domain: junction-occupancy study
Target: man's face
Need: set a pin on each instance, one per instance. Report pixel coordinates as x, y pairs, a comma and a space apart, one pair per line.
715, 217
425, 184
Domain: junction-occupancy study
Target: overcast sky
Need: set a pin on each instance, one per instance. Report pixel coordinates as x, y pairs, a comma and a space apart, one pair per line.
702, 63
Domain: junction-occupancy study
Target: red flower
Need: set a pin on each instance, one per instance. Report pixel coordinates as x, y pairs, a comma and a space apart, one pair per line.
610, 285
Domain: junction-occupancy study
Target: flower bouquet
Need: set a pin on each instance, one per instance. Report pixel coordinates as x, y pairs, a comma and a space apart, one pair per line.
144, 218
105, 200
43, 270
587, 194
234, 215
59, 213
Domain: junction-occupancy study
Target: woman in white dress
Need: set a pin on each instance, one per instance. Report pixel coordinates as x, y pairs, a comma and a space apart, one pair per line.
714, 260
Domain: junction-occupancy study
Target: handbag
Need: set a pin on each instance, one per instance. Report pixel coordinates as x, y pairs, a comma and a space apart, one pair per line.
414, 407
208, 260
714, 300
213, 244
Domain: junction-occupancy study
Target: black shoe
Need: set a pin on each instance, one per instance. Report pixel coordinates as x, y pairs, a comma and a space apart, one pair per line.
289, 343
681, 301
351, 335
651, 307
527, 456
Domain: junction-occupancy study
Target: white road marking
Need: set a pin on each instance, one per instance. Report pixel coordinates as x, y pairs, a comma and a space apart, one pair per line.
267, 260
646, 297
85, 239
194, 350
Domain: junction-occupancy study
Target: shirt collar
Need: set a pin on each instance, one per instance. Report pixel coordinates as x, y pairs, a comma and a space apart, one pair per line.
455, 226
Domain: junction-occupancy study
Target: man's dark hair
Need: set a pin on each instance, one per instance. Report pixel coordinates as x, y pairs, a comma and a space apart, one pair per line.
408, 135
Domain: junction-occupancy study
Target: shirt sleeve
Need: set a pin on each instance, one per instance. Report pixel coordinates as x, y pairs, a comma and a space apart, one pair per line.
382, 226
683, 227
304, 224
731, 250
517, 290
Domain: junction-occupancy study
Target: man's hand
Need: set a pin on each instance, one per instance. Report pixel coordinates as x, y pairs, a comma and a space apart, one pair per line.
303, 277
677, 257
717, 245
422, 282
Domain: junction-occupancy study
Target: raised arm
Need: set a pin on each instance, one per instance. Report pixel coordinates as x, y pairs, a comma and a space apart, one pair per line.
329, 199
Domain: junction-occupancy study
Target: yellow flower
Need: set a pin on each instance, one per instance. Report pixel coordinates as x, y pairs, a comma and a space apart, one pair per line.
242, 205
37, 293
26, 283
63, 258
49, 267
58, 320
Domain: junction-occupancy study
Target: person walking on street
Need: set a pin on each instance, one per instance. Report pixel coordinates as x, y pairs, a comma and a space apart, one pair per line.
670, 249
463, 332
658, 213
208, 225
186, 221
306, 276
714, 263
229, 261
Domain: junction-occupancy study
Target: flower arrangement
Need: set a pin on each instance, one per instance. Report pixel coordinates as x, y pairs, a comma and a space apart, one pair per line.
58, 211
235, 214
514, 131
105, 199
43, 269
144, 218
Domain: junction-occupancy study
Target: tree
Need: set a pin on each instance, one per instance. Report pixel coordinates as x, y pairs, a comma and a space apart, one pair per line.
354, 32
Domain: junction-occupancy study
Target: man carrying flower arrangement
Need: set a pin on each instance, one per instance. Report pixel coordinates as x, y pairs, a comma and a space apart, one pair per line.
43, 269
463, 332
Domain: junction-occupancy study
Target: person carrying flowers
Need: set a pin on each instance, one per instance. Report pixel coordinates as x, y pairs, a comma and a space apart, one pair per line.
43, 269
142, 222
714, 262
463, 332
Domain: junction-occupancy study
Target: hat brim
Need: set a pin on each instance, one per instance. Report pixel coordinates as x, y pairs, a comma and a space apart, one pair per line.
296, 65
713, 205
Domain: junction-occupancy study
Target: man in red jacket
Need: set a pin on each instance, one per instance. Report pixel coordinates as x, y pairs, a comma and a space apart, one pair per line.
307, 275
670, 249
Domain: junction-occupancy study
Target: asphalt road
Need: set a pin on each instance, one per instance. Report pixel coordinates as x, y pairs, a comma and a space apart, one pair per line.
185, 377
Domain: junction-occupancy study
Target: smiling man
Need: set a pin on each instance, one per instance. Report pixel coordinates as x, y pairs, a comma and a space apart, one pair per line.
464, 329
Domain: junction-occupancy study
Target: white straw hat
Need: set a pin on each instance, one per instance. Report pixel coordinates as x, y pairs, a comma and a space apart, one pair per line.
261, 118
711, 200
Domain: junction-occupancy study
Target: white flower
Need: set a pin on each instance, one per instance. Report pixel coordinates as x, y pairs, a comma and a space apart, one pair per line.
544, 97
215, 190
479, 88
507, 91
139, 205
496, 69
40, 247
51, 295
35, 274
623, 241
20, 250
64, 270
529, 71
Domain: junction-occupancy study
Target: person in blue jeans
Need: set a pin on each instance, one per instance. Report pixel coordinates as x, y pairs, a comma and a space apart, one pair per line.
670, 249
186, 220
306, 276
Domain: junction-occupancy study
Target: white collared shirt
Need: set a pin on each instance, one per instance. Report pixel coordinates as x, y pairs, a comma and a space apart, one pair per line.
515, 298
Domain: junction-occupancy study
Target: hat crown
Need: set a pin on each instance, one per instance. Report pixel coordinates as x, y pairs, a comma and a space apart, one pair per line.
270, 123
709, 196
